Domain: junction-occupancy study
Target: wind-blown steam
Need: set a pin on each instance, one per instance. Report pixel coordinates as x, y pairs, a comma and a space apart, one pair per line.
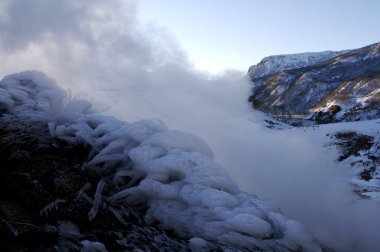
99, 49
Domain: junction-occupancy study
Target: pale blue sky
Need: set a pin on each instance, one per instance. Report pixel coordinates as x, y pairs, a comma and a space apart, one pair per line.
219, 34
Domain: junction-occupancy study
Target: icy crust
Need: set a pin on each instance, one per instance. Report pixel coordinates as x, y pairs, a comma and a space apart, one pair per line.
278, 63
172, 173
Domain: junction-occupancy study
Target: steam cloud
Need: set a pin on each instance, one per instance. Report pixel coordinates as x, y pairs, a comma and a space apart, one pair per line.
100, 50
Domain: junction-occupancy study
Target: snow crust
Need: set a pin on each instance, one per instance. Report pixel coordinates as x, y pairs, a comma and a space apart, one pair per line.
170, 172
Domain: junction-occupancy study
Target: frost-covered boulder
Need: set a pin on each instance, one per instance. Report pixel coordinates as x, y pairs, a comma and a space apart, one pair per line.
170, 173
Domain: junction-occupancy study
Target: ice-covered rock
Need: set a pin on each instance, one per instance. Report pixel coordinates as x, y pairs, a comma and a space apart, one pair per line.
171, 173
197, 244
93, 246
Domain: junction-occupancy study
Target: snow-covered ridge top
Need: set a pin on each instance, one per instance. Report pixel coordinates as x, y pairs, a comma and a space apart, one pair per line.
171, 172
277, 63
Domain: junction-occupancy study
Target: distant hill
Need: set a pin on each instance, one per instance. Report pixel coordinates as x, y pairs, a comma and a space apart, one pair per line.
327, 86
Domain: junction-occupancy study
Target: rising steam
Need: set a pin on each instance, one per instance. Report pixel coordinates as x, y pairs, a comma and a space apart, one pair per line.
99, 49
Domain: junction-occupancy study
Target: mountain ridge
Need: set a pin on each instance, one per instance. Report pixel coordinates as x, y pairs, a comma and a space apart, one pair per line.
349, 80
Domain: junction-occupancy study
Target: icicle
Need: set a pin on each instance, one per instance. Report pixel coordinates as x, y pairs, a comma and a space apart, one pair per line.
51, 126
12, 228
82, 190
97, 200
52, 205
123, 193
118, 216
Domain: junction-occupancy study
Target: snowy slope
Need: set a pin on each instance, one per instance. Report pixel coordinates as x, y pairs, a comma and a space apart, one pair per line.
325, 83
358, 145
171, 173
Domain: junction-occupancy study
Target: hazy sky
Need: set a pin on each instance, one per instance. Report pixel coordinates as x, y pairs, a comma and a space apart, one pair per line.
238, 33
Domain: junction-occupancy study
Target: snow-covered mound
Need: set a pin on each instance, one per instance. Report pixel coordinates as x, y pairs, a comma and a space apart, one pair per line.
171, 173
296, 85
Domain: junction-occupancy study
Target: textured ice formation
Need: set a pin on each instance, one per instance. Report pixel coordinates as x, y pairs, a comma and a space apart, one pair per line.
171, 173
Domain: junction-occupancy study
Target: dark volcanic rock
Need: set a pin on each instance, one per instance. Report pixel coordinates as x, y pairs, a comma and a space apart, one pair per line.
351, 143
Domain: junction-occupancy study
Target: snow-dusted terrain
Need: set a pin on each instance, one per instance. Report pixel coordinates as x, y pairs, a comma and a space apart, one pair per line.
358, 144
172, 173
278, 63
334, 86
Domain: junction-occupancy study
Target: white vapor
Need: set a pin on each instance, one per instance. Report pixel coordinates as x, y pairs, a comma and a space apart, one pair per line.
99, 49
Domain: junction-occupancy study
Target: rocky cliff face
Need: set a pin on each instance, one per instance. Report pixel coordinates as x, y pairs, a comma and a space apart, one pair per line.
333, 86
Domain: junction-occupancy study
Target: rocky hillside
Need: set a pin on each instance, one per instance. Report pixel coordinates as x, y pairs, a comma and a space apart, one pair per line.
331, 86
